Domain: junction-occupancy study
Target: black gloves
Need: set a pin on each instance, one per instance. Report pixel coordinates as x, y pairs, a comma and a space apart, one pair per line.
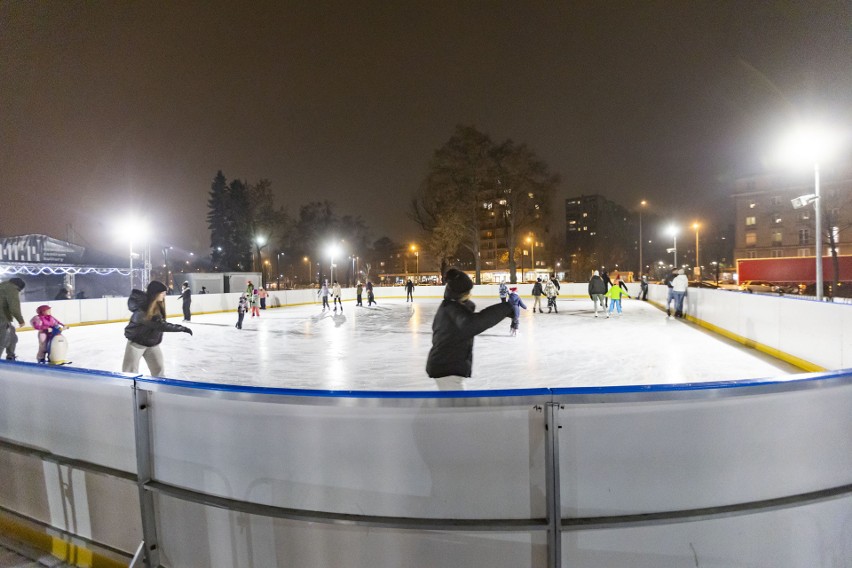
186, 330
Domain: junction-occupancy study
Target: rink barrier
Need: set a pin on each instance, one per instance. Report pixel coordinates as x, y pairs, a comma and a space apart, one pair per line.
594, 463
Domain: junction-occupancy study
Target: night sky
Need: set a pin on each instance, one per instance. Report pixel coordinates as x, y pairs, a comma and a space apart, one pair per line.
107, 108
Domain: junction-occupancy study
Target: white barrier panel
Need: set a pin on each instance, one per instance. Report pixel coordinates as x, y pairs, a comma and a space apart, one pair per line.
194, 535
86, 415
374, 458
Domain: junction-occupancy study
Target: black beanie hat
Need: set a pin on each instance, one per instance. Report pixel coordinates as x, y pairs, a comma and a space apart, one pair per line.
458, 283
154, 288
19, 284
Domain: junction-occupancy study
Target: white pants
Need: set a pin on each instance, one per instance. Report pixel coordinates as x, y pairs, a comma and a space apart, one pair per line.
153, 357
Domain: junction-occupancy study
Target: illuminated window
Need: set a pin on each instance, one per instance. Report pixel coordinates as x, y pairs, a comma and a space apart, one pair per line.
751, 239
777, 237
751, 221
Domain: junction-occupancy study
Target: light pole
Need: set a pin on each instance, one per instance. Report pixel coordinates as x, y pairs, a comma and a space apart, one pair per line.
531, 242
278, 270
308, 263
696, 226
417, 256
673, 232
642, 205
261, 242
332, 252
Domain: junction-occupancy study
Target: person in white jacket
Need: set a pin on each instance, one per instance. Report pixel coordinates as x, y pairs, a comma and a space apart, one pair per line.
335, 295
680, 284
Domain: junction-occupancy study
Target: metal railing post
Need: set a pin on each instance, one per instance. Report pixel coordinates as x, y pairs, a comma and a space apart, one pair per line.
144, 472
554, 503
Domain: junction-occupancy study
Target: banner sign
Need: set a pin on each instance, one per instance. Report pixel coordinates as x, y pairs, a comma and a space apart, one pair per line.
39, 249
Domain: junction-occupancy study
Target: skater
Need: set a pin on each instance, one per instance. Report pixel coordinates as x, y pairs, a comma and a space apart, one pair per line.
643, 290
455, 325
551, 293
607, 284
409, 291
371, 299
597, 290
242, 306
615, 294
44, 323
63, 294
10, 308
503, 291
556, 283
323, 291
203, 290
680, 285
358, 290
249, 289
262, 294
144, 331
516, 303
255, 303
537, 293
335, 295
670, 297
186, 296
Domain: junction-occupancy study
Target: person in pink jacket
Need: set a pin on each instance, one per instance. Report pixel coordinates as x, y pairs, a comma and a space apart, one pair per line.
45, 323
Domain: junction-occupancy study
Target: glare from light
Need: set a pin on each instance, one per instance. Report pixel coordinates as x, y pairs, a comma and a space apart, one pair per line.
809, 144
672, 230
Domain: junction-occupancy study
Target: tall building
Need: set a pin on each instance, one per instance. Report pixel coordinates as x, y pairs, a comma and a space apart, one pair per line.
599, 232
768, 226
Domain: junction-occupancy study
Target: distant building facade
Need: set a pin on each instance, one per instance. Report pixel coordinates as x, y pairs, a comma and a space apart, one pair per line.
768, 226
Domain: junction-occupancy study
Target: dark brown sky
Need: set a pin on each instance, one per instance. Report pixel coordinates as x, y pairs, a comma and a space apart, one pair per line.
106, 107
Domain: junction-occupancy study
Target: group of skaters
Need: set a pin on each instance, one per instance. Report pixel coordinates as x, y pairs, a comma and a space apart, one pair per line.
604, 292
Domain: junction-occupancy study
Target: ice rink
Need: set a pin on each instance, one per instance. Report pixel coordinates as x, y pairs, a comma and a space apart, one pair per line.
384, 347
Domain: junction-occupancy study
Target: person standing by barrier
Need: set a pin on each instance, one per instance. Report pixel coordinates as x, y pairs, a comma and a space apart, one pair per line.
10, 309
456, 324
186, 297
537, 293
144, 331
643, 290
597, 290
670, 294
680, 284
262, 294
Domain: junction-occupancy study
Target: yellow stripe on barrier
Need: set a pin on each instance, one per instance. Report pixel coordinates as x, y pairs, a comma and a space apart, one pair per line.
56, 546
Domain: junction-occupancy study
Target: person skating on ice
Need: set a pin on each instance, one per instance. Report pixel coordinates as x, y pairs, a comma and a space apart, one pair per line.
44, 323
670, 294
186, 297
144, 331
323, 292
242, 306
371, 299
455, 325
537, 293
254, 302
615, 294
597, 291
503, 291
517, 303
550, 291
643, 290
607, 283
359, 289
409, 291
335, 294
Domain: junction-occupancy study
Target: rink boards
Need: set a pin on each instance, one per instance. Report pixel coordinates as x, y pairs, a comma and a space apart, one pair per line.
742, 473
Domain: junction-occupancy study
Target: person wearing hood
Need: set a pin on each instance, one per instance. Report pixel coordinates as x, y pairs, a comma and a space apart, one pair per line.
144, 331
10, 309
597, 291
537, 292
680, 285
186, 297
455, 325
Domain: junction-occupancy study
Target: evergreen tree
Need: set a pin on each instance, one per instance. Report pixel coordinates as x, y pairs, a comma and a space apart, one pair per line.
217, 219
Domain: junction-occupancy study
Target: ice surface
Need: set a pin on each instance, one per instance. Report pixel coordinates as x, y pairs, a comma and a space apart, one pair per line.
384, 347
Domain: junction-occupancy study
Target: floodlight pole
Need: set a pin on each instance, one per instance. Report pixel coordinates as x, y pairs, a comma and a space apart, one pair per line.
818, 229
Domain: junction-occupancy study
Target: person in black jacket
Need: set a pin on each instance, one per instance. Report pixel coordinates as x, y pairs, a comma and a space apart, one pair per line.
186, 296
597, 291
144, 331
455, 325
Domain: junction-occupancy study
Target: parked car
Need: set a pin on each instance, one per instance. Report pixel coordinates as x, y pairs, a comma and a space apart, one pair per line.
764, 287
703, 284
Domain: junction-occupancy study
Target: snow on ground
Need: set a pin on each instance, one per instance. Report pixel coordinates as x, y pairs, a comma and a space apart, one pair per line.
384, 347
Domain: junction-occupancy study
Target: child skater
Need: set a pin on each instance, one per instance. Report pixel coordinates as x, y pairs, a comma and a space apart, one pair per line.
516, 304
615, 294
335, 294
255, 303
241, 311
323, 291
44, 322
371, 299
503, 292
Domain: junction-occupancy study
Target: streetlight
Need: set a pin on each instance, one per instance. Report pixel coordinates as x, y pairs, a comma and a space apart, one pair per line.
642, 205
696, 226
812, 144
672, 230
278, 270
417, 256
332, 252
308, 263
531, 242
135, 227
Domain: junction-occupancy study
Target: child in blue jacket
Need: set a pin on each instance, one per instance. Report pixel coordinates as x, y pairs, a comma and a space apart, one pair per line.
517, 304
